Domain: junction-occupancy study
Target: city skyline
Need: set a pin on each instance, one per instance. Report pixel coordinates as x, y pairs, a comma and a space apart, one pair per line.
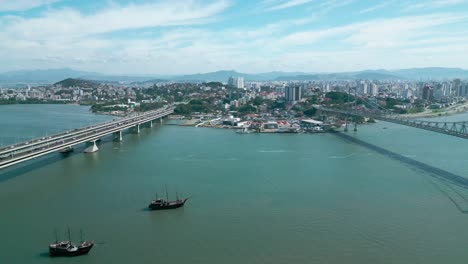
184, 37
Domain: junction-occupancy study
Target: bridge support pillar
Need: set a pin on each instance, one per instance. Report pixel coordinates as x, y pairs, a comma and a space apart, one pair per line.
355, 126
92, 148
150, 123
137, 129
346, 126
118, 136
160, 120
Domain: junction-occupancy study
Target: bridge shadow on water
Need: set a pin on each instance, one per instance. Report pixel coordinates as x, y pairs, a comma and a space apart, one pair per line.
22, 168
31, 165
449, 184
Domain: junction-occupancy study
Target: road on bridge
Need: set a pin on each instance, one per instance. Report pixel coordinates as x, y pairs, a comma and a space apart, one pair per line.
23, 151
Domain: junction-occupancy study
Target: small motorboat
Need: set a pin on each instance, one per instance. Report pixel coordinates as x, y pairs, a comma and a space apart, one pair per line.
244, 131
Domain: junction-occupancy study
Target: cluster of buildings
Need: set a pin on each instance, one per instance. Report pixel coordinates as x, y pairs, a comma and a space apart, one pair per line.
264, 123
237, 82
292, 93
370, 88
68, 94
222, 97
444, 90
431, 91
408, 90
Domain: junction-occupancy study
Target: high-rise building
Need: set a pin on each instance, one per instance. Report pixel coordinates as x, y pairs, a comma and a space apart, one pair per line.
231, 81
237, 82
374, 89
362, 87
463, 90
456, 86
427, 93
445, 89
292, 93
408, 93
256, 87
438, 92
240, 83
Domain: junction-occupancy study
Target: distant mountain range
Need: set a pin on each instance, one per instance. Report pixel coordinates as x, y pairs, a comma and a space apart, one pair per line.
41, 76
423, 74
56, 75
341, 76
223, 76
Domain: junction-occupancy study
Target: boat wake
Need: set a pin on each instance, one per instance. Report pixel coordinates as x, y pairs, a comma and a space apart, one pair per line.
342, 157
274, 151
188, 157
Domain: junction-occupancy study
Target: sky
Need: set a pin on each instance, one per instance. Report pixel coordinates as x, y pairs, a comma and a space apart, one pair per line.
198, 36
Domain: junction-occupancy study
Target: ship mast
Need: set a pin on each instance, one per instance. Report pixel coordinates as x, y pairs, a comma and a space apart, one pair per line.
69, 236
167, 195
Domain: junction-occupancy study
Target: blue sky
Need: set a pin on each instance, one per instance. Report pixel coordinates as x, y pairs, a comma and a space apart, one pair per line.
191, 36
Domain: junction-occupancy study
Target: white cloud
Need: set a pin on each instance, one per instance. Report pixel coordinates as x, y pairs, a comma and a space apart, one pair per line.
22, 5
310, 37
62, 37
400, 32
374, 8
285, 4
430, 4
329, 5
171, 40
383, 33
69, 22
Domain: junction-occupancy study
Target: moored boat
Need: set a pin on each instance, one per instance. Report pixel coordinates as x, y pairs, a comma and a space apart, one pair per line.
243, 131
161, 204
66, 150
69, 249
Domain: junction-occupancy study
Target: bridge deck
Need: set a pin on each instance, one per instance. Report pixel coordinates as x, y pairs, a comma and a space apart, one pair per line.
23, 151
456, 129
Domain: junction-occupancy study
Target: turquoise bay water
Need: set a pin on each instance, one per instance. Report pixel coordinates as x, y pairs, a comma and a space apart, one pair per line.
255, 198
23, 122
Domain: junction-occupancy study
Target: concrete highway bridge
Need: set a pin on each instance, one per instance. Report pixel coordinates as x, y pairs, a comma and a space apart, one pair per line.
27, 150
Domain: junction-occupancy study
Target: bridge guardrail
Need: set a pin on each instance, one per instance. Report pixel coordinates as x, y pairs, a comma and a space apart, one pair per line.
83, 136
457, 129
52, 138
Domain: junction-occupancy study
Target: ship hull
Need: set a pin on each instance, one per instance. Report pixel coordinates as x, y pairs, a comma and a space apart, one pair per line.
67, 253
166, 206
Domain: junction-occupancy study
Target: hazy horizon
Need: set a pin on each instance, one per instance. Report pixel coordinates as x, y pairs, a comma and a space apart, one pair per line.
143, 37
221, 70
